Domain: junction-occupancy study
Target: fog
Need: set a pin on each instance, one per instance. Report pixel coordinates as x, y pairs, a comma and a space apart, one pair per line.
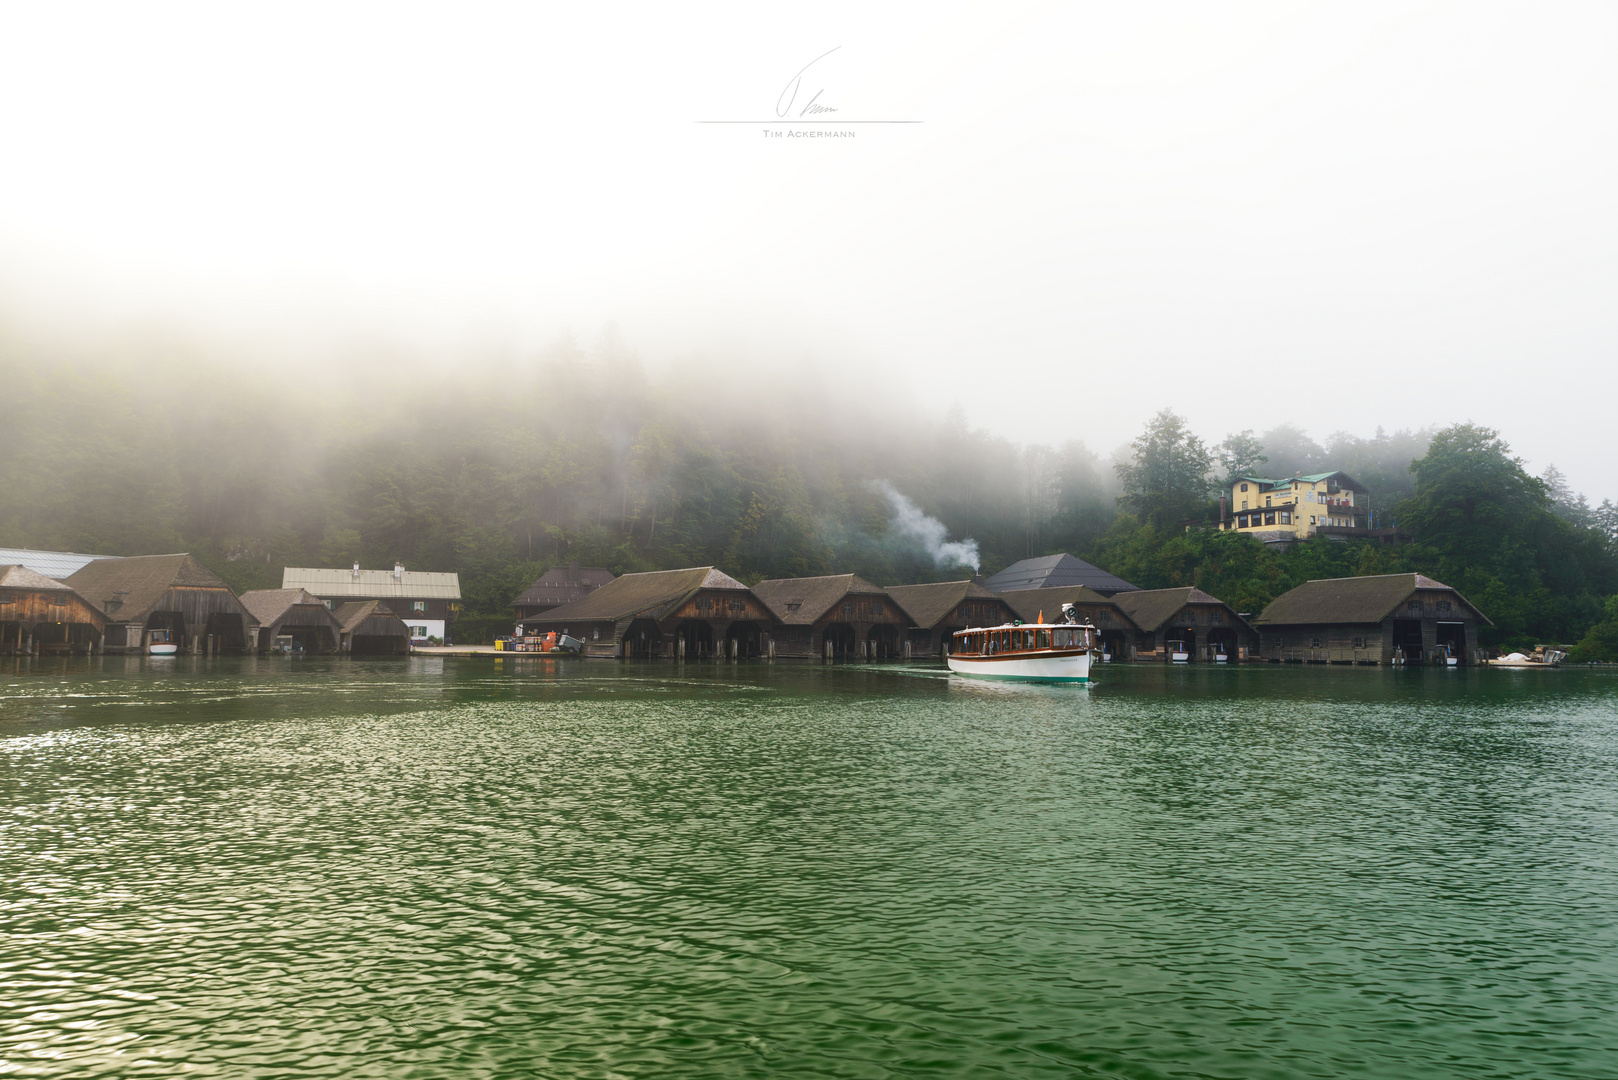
1334, 218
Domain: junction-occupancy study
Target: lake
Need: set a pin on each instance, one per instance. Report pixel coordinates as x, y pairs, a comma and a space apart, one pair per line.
435, 867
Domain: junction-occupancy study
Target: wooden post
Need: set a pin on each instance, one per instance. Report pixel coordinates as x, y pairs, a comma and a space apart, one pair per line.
679, 648
907, 648
828, 650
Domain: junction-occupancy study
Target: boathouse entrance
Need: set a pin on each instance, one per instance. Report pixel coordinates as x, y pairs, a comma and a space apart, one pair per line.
698, 638
643, 638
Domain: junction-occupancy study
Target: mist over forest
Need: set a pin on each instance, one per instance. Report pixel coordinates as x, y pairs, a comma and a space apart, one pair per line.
500, 470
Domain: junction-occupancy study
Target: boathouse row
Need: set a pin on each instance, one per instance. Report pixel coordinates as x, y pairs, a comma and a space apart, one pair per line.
1185, 620
1117, 633
165, 592
297, 617
938, 610
839, 616
42, 615
1380, 619
693, 613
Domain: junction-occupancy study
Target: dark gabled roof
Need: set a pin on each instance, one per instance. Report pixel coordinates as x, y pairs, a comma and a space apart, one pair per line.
928, 604
1350, 600
653, 595
140, 582
354, 613
1151, 608
271, 605
801, 601
1029, 604
564, 584
1050, 571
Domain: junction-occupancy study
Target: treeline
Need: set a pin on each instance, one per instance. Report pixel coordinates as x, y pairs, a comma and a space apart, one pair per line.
501, 470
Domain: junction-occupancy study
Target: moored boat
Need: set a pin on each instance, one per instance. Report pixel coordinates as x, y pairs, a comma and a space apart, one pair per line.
160, 643
1026, 652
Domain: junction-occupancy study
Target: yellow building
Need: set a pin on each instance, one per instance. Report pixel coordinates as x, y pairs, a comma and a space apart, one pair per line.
1331, 503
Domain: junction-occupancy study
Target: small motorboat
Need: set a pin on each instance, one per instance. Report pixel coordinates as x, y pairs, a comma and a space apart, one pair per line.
160, 643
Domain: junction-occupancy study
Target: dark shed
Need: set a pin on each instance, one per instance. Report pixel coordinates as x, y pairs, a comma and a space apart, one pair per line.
1186, 620
169, 592
938, 610
295, 613
557, 586
370, 628
700, 611
1384, 618
838, 615
41, 614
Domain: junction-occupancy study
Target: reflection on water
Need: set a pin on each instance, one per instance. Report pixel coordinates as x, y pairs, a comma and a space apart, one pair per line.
430, 867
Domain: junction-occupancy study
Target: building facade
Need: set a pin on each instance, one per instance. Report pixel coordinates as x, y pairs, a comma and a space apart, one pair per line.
428, 602
1331, 503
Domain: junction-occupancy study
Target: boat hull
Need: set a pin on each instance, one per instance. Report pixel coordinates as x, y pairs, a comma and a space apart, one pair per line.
162, 650
1036, 667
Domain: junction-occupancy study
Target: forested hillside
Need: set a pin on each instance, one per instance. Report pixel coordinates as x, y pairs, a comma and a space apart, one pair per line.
499, 471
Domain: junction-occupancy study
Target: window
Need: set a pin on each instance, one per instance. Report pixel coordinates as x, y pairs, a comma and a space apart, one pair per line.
1244, 488
1443, 607
1241, 521
1244, 504
418, 631
1266, 500
1314, 643
58, 600
1286, 517
1359, 643
1269, 518
418, 605
1311, 519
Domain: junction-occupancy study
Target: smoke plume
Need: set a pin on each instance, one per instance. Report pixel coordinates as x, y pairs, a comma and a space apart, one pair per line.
909, 523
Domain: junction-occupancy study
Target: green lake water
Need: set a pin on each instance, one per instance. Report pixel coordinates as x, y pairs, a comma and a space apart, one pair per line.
533, 868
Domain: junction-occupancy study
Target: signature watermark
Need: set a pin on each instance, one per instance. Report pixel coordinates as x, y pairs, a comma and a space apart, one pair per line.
802, 111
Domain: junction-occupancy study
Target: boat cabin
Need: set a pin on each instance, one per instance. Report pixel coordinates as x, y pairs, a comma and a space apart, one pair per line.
1023, 639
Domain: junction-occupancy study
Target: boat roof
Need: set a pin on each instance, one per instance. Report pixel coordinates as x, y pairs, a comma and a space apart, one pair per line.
1023, 626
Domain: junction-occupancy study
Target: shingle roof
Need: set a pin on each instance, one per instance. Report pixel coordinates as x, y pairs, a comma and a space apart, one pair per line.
53, 564
1049, 571
140, 581
1367, 599
928, 604
354, 614
1029, 604
270, 605
652, 594
373, 584
801, 601
564, 584
22, 579
1151, 608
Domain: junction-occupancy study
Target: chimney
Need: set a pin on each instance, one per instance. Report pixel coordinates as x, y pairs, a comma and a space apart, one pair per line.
1224, 505
398, 571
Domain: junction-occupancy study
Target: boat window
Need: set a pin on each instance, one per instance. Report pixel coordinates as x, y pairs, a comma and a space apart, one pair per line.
1042, 639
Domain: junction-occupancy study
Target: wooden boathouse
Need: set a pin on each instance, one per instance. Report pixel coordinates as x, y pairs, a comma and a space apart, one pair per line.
696, 613
1186, 620
166, 592
42, 615
840, 616
938, 610
1378, 619
1115, 630
296, 614
370, 628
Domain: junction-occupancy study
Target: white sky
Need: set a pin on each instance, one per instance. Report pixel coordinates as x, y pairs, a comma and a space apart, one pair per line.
1332, 215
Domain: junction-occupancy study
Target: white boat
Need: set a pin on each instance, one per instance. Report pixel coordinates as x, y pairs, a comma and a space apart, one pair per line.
1025, 652
159, 643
